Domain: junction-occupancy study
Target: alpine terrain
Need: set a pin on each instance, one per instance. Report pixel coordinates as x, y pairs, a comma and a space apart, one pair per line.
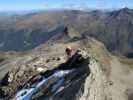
44, 73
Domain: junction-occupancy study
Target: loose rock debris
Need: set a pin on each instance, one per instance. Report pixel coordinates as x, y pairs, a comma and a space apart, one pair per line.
33, 84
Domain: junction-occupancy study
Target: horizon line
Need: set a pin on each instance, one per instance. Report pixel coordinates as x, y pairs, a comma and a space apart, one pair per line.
52, 9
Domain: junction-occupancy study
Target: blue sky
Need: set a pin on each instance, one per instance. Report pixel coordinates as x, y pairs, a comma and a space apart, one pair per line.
6, 5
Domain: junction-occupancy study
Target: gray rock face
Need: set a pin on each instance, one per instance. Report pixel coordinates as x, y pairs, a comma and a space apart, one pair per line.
102, 77
15, 78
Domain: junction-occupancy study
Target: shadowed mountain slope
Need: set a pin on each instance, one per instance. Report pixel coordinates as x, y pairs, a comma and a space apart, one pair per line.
114, 29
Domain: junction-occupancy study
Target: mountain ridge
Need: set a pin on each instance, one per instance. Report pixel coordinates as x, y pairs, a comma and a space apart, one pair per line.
113, 28
108, 77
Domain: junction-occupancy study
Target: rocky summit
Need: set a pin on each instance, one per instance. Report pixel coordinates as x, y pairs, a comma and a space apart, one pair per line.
46, 73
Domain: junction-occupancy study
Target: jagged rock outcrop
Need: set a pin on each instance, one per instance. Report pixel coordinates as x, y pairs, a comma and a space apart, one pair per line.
96, 87
109, 78
18, 76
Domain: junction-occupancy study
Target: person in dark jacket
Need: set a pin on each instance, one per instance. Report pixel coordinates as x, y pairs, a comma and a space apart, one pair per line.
68, 52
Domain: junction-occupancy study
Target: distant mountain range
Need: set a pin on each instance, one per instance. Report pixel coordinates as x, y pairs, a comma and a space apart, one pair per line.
24, 32
22, 12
